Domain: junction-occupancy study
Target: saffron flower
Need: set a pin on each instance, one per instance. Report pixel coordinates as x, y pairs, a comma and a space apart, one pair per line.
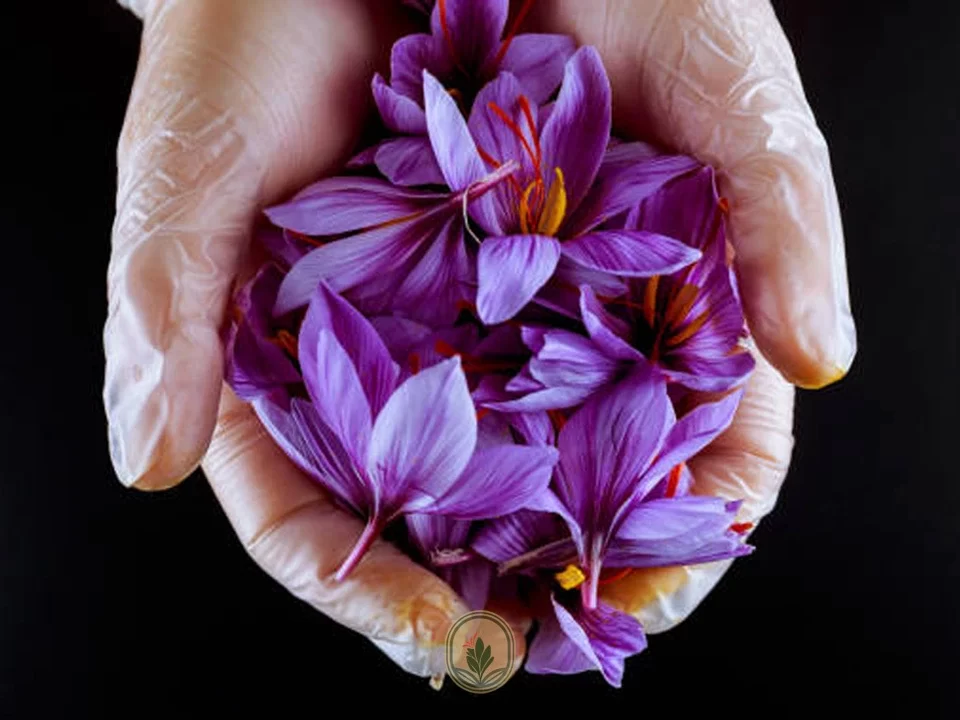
465, 48
387, 449
617, 488
688, 324
554, 204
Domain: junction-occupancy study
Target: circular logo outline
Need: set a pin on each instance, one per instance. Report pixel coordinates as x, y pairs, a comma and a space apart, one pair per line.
454, 672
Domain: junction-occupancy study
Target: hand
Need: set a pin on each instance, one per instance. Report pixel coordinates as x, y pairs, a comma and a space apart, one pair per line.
716, 79
237, 105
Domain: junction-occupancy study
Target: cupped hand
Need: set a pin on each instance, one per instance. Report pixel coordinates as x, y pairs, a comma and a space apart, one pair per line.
237, 105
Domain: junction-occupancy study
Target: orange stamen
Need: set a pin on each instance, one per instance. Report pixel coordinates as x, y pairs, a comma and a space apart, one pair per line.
689, 331
619, 575
514, 29
650, 300
673, 481
680, 304
286, 342
741, 527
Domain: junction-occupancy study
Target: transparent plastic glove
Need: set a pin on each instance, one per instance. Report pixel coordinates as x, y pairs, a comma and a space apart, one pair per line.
235, 105
717, 79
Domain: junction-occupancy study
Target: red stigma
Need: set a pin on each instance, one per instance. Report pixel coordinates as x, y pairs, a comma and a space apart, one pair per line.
741, 528
724, 205
482, 413
306, 238
619, 575
514, 29
414, 361
557, 418
673, 481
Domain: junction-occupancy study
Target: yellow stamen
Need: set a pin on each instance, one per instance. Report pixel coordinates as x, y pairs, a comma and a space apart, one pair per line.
650, 300
571, 577
556, 206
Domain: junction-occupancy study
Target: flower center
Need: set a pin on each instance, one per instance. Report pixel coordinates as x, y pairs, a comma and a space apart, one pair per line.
540, 210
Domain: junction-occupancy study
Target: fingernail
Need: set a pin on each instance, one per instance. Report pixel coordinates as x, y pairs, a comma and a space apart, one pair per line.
160, 406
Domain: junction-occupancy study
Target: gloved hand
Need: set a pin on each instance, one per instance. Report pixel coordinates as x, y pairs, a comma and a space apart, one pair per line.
237, 105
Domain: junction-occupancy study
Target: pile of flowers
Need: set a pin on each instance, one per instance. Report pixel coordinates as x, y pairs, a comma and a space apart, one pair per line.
502, 333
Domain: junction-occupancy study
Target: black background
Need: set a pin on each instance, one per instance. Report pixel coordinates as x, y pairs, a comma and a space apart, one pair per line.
111, 599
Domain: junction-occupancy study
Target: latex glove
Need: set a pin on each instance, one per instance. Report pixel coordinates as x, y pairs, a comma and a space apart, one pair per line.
716, 79
236, 105
239, 104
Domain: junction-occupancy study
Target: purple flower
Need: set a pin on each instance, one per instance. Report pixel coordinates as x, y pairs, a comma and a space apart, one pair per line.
388, 249
260, 350
463, 51
387, 448
567, 186
443, 545
688, 324
618, 489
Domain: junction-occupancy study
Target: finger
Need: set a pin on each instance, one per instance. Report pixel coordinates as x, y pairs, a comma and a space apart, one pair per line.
299, 538
234, 104
717, 79
749, 461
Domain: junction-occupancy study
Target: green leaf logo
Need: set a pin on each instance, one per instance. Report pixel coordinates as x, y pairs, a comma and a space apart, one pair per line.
471, 661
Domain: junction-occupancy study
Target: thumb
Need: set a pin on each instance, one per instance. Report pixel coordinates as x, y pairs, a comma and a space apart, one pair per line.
230, 108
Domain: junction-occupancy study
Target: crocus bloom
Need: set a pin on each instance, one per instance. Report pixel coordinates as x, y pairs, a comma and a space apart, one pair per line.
386, 448
618, 489
688, 324
390, 250
463, 51
260, 350
561, 191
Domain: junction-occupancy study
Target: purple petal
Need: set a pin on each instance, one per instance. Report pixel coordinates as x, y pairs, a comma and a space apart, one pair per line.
632, 253
399, 113
575, 137
676, 531
566, 359
621, 186
600, 639
517, 534
364, 158
709, 374
284, 249
686, 209
336, 391
537, 60
471, 581
346, 263
498, 481
474, 29
345, 204
256, 366
453, 146
693, 432
423, 438
315, 450
369, 355
413, 54
408, 161
606, 331
559, 398
608, 443
510, 271
432, 289
433, 534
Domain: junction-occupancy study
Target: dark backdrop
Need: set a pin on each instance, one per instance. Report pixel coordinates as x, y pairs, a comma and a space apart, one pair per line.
115, 600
